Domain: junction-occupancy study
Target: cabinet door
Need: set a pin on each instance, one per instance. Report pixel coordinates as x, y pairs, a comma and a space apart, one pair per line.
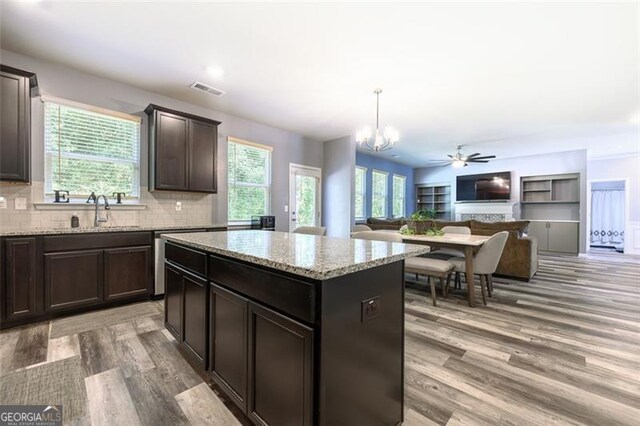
173, 301
280, 369
20, 277
14, 127
228, 343
127, 272
171, 162
203, 138
563, 237
541, 232
196, 323
73, 279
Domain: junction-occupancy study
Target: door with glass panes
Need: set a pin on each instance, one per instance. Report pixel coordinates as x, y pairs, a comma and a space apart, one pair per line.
304, 196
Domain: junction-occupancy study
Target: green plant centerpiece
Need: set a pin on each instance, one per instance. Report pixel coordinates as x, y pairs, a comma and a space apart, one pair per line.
433, 232
417, 222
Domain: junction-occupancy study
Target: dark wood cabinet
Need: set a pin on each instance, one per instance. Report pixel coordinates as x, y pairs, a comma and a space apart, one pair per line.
173, 300
194, 334
202, 162
48, 276
15, 124
127, 272
186, 310
182, 151
229, 343
20, 279
171, 147
280, 369
73, 279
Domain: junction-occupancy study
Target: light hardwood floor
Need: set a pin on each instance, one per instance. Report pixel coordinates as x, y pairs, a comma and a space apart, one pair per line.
563, 348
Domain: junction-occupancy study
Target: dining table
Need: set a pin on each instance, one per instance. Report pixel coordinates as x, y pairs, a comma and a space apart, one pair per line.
468, 244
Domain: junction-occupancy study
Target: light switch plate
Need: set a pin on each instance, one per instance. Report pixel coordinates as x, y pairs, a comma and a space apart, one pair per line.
178, 206
286, 208
21, 204
3, 203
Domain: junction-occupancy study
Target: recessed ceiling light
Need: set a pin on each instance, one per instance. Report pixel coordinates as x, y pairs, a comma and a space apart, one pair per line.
215, 71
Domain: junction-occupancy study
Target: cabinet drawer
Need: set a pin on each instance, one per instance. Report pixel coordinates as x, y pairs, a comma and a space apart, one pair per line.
293, 297
93, 241
191, 260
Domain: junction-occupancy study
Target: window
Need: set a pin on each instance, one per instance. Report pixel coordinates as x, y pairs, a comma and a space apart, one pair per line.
89, 150
249, 168
379, 194
399, 195
361, 192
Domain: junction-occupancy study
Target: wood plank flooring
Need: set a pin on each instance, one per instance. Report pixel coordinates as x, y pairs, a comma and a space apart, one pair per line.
563, 348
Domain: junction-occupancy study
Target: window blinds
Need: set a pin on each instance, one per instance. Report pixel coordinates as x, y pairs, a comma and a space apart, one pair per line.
249, 176
89, 151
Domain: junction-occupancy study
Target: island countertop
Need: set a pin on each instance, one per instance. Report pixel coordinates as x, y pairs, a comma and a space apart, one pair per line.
310, 256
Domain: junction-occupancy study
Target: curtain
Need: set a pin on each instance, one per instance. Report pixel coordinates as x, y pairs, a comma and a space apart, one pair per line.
607, 216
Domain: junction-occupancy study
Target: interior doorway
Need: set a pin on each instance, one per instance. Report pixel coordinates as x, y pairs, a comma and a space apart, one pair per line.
304, 196
607, 215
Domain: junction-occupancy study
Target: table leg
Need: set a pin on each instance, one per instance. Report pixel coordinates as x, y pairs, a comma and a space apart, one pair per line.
468, 258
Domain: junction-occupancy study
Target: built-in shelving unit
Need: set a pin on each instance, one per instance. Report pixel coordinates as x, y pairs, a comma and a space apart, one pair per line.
552, 204
437, 197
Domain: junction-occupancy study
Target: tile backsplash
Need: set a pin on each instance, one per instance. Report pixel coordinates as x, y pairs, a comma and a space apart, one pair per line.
160, 210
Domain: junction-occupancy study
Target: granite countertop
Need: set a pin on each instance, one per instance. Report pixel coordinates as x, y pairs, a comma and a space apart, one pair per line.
101, 229
310, 256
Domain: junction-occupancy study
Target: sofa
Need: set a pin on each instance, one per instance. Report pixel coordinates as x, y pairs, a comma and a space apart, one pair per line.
520, 256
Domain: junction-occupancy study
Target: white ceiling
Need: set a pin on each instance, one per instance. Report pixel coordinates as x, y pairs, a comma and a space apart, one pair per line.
504, 79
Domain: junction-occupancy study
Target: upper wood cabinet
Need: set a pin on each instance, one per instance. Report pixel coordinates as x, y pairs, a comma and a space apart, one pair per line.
182, 151
15, 123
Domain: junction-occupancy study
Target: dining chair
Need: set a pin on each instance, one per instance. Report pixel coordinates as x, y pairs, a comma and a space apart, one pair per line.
360, 228
432, 268
485, 263
391, 237
311, 230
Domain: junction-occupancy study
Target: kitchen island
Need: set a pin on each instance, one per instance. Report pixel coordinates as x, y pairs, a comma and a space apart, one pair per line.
295, 329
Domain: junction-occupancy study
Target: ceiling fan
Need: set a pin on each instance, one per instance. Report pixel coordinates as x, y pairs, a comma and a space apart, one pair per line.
460, 160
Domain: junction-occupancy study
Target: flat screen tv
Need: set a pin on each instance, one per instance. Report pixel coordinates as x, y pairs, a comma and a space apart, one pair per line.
485, 187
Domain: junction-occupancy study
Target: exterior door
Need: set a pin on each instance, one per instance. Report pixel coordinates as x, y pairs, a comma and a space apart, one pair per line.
304, 196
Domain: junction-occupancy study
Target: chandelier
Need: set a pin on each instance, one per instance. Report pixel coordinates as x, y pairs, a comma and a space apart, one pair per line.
382, 139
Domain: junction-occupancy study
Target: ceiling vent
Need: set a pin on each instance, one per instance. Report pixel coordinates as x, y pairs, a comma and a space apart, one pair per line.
207, 89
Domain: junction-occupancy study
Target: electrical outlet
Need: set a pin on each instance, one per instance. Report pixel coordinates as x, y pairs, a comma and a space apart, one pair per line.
370, 308
178, 206
20, 204
286, 208
3, 203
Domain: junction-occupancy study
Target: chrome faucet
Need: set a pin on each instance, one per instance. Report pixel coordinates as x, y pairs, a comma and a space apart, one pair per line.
98, 220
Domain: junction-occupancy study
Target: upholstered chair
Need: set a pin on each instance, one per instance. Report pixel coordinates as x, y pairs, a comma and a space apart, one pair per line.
360, 228
311, 230
485, 262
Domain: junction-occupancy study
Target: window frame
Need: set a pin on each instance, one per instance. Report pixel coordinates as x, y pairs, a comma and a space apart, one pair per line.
48, 188
386, 192
404, 195
267, 186
363, 194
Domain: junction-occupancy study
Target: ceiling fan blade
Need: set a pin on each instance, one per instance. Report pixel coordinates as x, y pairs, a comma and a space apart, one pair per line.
484, 157
473, 155
478, 161
449, 155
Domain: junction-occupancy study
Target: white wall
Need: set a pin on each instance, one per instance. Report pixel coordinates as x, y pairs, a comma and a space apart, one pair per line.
338, 176
624, 168
64, 82
557, 163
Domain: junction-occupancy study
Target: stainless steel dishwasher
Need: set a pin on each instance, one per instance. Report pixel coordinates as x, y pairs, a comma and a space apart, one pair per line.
159, 256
